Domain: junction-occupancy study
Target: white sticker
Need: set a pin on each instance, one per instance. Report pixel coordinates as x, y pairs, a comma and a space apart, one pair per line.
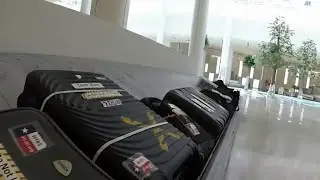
193, 129
87, 85
111, 103
102, 94
64, 167
37, 141
139, 166
101, 78
140, 161
78, 76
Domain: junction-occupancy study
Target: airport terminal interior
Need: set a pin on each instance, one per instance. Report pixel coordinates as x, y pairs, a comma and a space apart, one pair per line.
252, 64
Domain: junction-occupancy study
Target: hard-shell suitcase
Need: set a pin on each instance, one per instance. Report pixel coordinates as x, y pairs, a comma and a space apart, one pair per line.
33, 147
123, 136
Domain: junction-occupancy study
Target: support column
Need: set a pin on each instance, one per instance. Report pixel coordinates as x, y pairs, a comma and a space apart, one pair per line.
113, 11
86, 6
163, 18
227, 53
198, 33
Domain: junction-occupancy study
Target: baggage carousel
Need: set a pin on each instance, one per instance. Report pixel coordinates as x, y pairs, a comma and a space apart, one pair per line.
140, 81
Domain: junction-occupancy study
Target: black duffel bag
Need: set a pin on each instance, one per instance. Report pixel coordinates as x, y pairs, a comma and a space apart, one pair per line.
205, 112
110, 126
33, 147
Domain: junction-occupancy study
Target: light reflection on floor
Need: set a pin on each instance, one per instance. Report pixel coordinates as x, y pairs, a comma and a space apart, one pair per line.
278, 139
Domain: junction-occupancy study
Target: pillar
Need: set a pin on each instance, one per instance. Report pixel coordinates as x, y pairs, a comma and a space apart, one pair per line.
113, 11
86, 6
163, 17
198, 34
227, 53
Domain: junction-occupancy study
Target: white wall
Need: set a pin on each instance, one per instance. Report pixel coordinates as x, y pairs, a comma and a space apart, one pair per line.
36, 26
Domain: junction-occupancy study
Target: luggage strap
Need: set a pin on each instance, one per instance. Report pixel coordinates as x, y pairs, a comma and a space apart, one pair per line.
105, 145
222, 95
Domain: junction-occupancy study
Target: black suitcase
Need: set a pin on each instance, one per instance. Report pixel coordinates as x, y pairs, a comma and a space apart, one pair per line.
179, 119
226, 97
208, 114
33, 147
94, 119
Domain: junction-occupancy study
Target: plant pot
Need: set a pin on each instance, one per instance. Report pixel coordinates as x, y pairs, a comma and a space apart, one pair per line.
247, 84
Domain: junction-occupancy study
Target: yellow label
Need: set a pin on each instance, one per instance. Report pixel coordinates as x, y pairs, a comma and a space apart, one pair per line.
162, 143
8, 168
130, 121
174, 135
157, 132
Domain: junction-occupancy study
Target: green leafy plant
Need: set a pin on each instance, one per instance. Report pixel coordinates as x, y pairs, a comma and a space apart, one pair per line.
305, 62
278, 49
249, 61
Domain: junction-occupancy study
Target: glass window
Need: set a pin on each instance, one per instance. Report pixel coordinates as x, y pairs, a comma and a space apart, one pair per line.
165, 21
71, 4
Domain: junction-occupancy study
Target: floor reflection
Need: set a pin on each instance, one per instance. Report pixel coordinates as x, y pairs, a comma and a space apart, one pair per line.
278, 139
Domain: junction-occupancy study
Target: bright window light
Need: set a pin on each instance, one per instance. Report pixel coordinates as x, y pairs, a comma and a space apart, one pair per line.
218, 65
251, 72
206, 67
211, 76
240, 69
285, 80
296, 83
308, 81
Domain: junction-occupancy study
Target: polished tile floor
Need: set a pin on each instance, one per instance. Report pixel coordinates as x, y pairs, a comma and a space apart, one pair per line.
278, 139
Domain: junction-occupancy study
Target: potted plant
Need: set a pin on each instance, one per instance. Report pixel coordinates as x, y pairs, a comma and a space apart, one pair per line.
278, 49
249, 62
305, 63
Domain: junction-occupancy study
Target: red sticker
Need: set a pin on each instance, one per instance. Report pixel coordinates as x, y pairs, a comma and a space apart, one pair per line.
26, 144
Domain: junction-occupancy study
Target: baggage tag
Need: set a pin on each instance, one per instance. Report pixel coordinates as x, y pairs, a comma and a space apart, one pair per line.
139, 166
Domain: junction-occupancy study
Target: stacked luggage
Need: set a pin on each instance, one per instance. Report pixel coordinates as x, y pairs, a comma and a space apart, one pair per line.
33, 147
200, 115
119, 133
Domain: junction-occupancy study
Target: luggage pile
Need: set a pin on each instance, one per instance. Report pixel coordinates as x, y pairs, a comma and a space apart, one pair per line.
152, 139
117, 132
201, 115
